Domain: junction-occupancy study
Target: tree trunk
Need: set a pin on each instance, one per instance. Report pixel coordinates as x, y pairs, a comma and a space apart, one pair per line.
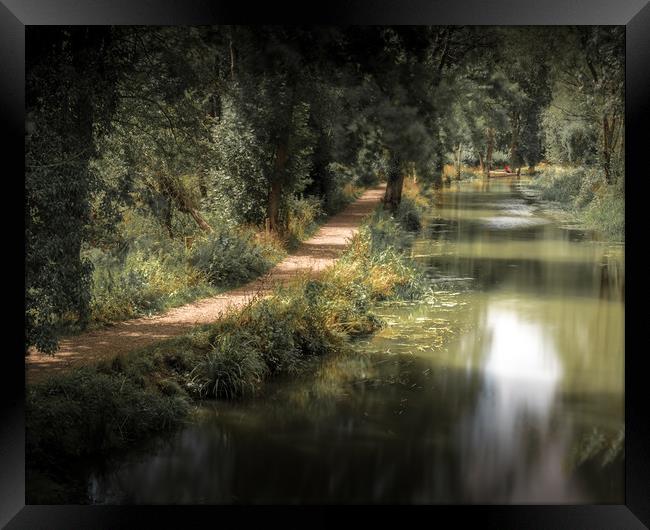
275, 190
232, 56
174, 190
198, 218
514, 142
480, 162
278, 175
439, 167
167, 220
607, 152
458, 157
203, 189
393, 195
490, 149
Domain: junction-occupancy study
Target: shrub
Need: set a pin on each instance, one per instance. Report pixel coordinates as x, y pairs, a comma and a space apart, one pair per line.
409, 215
593, 182
302, 217
228, 259
500, 159
560, 185
86, 411
142, 281
274, 323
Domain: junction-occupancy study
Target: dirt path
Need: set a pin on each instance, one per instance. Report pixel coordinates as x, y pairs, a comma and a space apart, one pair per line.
312, 256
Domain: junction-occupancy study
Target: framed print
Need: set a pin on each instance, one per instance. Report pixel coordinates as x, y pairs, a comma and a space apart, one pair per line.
377, 254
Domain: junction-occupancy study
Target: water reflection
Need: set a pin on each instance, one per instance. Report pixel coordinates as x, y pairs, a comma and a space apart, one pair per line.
522, 371
505, 386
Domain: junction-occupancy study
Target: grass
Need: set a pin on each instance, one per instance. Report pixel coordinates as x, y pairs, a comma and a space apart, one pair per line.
227, 258
88, 411
583, 192
95, 410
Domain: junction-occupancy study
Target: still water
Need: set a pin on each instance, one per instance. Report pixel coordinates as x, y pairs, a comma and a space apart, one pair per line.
505, 386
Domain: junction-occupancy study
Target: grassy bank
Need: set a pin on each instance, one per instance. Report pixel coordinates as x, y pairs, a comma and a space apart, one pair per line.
145, 272
583, 193
96, 410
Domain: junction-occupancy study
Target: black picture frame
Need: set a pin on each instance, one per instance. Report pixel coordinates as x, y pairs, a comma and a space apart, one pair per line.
634, 14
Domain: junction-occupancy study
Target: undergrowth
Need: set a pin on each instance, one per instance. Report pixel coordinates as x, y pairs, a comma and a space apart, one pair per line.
584, 193
149, 272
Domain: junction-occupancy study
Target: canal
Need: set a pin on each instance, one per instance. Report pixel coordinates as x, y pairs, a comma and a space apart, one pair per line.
505, 385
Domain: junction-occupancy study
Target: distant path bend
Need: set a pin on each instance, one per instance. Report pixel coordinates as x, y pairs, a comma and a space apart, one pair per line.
311, 257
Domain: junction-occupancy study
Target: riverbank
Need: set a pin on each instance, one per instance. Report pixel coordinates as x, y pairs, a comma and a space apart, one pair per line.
582, 196
94, 410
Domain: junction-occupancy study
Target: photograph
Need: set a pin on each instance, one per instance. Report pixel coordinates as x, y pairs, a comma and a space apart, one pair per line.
324, 264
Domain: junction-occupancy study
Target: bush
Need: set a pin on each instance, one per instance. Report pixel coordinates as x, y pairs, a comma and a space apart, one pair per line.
593, 181
560, 185
303, 215
86, 411
500, 159
228, 259
143, 277
409, 215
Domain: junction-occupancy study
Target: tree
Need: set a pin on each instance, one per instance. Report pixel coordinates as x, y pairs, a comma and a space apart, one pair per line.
159, 142
69, 98
587, 65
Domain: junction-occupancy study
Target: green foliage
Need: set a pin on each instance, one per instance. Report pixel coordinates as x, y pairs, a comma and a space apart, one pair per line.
560, 184
232, 368
85, 411
500, 159
69, 102
229, 258
606, 213
303, 215
584, 191
238, 182
144, 274
409, 214
568, 140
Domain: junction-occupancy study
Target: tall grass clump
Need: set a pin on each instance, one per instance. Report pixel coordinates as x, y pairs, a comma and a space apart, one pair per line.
409, 214
145, 272
232, 368
377, 261
606, 213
